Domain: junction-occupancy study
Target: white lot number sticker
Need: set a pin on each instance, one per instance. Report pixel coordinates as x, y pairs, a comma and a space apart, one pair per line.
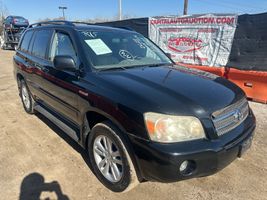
98, 46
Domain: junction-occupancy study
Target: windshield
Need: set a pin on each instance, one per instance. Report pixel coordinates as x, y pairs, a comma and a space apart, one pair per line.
20, 19
114, 49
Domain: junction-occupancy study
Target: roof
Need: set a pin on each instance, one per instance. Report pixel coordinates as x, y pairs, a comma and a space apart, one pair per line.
14, 16
78, 26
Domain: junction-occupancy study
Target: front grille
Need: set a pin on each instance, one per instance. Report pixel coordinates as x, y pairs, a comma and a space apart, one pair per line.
230, 117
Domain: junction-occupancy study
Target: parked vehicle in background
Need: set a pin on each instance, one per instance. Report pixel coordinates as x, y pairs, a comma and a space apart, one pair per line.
119, 96
13, 22
12, 30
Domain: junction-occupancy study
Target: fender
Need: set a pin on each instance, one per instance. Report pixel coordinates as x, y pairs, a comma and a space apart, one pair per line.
86, 128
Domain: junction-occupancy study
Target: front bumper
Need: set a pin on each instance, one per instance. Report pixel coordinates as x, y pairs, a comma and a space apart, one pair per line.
161, 162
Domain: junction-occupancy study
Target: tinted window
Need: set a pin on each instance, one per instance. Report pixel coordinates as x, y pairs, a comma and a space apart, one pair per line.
26, 40
41, 42
62, 45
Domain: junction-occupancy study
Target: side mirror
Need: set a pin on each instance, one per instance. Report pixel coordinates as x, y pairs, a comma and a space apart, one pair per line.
169, 55
64, 63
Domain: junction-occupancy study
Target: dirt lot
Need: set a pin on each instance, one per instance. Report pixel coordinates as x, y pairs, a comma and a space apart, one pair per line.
35, 157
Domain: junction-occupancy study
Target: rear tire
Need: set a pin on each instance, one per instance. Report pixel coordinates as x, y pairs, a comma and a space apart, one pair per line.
26, 98
109, 158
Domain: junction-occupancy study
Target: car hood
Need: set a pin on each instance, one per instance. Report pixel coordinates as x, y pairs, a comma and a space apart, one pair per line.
170, 90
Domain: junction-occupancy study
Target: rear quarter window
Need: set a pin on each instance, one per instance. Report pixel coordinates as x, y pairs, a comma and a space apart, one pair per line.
26, 41
41, 42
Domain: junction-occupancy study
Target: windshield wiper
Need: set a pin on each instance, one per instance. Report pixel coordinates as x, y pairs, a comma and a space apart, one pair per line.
160, 64
149, 65
116, 68
134, 66
110, 69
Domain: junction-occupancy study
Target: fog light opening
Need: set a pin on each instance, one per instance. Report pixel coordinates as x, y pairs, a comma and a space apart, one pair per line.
187, 167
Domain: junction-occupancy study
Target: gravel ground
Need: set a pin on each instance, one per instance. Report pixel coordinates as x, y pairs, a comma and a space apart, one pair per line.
37, 159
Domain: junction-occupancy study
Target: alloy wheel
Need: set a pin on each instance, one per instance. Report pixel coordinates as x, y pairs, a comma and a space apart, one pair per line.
108, 158
25, 96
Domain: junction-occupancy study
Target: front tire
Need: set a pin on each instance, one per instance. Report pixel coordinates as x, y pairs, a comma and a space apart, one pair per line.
26, 98
109, 158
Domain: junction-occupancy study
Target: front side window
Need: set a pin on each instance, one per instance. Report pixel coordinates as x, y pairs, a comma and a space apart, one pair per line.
62, 46
115, 49
41, 42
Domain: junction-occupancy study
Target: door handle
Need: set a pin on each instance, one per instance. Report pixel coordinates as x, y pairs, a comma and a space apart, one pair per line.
42, 68
45, 70
37, 66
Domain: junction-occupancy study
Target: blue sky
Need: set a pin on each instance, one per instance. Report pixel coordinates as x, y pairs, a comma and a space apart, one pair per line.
85, 9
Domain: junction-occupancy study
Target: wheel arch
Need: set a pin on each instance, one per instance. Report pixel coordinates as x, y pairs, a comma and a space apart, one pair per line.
92, 117
19, 78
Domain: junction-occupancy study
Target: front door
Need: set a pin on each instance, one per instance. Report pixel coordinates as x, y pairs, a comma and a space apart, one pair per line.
60, 85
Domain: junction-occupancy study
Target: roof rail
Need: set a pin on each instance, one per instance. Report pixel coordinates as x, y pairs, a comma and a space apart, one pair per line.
77, 22
125, 28
57, 22
73, 23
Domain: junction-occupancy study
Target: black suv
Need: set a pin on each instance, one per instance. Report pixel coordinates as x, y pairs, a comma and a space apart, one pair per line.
139, 116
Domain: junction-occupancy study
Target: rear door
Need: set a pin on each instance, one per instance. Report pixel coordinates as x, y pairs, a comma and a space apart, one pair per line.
37, 61
22, 60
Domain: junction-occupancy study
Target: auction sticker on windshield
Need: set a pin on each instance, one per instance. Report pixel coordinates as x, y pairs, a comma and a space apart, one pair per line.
98, 46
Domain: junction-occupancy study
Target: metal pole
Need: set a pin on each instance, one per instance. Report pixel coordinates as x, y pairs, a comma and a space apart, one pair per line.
120, 10
185, 7
63, 8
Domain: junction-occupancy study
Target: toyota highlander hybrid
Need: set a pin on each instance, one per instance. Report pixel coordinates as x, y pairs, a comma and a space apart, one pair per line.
139, 116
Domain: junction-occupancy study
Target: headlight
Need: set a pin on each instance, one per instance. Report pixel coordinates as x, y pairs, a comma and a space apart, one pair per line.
170, 128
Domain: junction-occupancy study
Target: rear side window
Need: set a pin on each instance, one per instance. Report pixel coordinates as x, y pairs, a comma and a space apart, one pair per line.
42, 40
26, 41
